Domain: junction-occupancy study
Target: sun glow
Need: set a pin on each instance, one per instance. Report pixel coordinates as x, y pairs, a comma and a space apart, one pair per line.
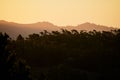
62, 12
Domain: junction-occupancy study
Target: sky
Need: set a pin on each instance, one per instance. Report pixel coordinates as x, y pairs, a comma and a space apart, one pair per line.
62, 12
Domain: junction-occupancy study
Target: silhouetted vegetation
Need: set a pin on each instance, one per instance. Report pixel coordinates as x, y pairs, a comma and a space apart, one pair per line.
66, 55
11, 68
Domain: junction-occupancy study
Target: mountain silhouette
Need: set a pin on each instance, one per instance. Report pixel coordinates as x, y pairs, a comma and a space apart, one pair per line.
89, 27
14, 29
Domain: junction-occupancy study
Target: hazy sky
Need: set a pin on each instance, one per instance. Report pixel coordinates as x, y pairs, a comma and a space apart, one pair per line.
62, 12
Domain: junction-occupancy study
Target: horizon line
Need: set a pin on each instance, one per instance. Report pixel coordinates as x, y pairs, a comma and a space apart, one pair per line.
54, 24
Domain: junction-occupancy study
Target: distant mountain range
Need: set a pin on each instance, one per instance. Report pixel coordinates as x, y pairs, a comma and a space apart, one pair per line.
14, 29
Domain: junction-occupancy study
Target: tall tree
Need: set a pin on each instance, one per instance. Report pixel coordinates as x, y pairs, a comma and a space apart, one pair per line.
11, 68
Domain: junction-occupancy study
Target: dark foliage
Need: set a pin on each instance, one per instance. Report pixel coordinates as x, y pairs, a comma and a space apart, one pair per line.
11, 68
71, 55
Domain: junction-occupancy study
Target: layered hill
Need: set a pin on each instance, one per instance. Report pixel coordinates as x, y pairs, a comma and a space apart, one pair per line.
89, 27
14, 29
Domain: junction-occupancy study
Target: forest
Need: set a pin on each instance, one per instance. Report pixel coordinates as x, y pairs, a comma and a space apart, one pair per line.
61, 55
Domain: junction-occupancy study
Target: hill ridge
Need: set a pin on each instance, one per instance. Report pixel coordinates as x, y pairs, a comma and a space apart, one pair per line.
14, 29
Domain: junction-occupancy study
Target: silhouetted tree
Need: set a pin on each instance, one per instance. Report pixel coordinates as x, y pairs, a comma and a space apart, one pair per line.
10, 67
69, 55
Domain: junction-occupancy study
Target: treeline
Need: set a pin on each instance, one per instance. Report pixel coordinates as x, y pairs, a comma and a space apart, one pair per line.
71, 55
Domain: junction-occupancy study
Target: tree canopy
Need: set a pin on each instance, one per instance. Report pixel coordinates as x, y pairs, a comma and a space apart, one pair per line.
68, 55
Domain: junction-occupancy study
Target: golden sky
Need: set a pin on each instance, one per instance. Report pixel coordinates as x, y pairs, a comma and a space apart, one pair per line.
62, 12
